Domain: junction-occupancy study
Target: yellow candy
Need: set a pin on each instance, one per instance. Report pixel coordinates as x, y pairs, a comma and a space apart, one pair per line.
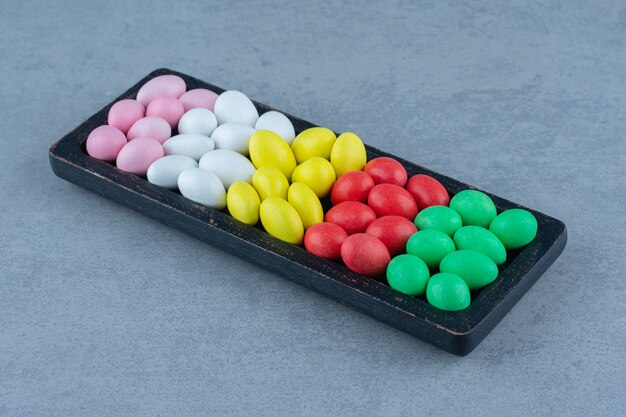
243, 202
317, 173
316, 141
306, 203
348, 154
268, 149
270, 182
280, 219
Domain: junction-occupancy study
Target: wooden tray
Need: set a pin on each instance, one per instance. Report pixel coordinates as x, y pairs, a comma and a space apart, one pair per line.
456, 332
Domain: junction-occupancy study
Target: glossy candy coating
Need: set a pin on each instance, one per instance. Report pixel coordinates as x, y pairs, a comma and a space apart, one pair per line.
270, 182
235, 107
278, 123
137, 155
475, 208
168, 108
352, 216
233, 136
152, 127
306, 203
431, 246
281, 220
385, 170
105, 142
198, 98
348, 154
352, 186
427, 191
164, 171
243, 202
325, 240
198, 121
317, 173
313, 142
391, 199
515, 228
476, 269
365, 255
393, 231
481, 240
448, 292
125, 113
203, 187
408, 274
161, 86
440, 218
228, 165
193, 146
268, 149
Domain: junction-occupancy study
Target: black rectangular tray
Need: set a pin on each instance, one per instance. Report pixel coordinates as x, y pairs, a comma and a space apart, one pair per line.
456, 332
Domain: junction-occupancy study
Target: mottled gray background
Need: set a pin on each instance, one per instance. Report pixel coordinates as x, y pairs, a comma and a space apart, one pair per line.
106, 312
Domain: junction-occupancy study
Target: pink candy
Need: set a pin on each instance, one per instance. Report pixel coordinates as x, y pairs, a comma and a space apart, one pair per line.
124, 113
138, 154
161, 86
199, 97
168, 108
105, 142
152, 127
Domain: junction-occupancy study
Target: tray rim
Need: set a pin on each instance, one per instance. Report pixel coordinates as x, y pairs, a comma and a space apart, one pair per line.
460, 332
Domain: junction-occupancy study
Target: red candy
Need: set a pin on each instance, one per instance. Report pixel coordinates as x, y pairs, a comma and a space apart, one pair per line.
385, 170
351, 186
393, 231
365, 255
325, 239
427, 191
391, 199
352, 216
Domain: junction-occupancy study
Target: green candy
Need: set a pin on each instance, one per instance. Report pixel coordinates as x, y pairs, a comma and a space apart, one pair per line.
448, 292
515, 228
408, 274
431, 246
474, 207
481, 240
440, 218
476, 269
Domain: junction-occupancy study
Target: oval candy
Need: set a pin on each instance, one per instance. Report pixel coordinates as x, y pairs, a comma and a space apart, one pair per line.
105, 142
313, 142
427, 191
352, 216
281, 220
235, 107
243, 202
352, 186
203, 187
474, 207
193, 146
431, 246
408, 274
365, 255
138, 154
391, 199
164, 171
515, 228
268, 149
306, 203
198, 98
233, 136
481, 240
278, 123
440, 218
325, 240
448, 292
152, 127
476, 269
270, 182
125, 113
317, 173
161, 86
168, 108
385, 170
348, 154
197, 121
229, 166
393, 231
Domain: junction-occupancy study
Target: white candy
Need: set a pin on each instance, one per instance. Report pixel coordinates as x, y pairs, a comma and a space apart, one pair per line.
278, 123
233, 136
228, 165
202, 187
235, 107
198, 121
193, 146
164, 171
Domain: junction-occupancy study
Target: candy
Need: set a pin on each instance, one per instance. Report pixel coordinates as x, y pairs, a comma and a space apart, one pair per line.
198, 121
348, 154
352, 216
427, 191
393, 231
313, 142
193, 146
325, 240
233, 136
152, 127
198, 98
281, 220
306, 203
168, 108
448, 292
440, 218
386, 170
243, 202
515, 228
476, 269
164, 171
352, 186
431, 246
365, 255
138, 154
161, 86
408, 274
125, 113
270, 182
481, 240
268, 149
229, 166
278, 123
391, 199
105, 142
235, 107
203, 187
474, 207
317, 173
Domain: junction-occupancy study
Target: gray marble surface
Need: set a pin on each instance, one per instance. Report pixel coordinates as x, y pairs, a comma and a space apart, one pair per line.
106, 312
